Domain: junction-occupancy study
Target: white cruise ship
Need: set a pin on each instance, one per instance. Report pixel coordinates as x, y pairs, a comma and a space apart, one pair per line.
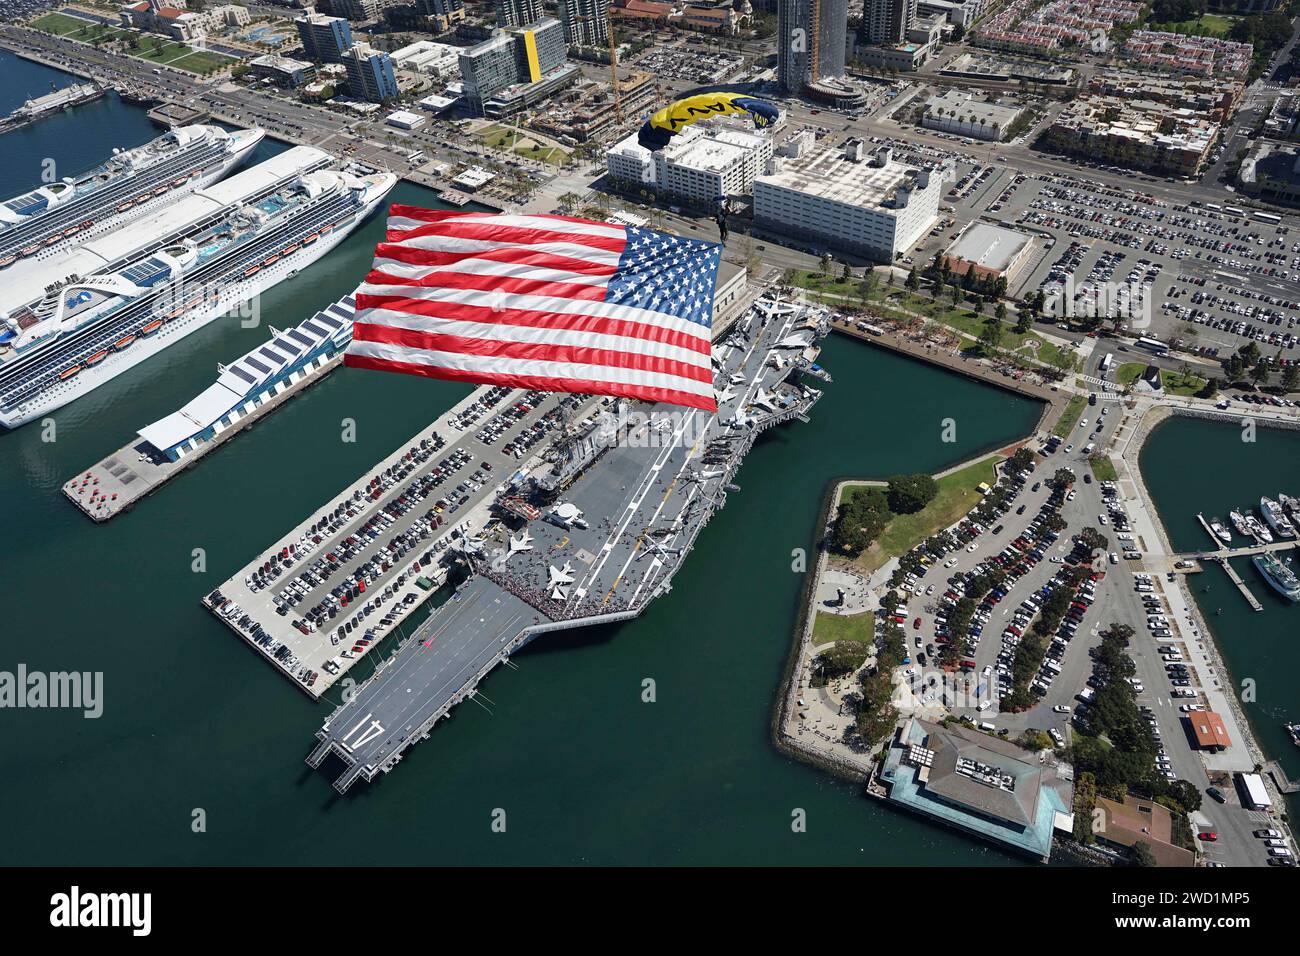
134, 182
85, 331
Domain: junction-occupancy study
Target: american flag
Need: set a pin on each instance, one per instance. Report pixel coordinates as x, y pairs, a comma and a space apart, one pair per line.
546, 302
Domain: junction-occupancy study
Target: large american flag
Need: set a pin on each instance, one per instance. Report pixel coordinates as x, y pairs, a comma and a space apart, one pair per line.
546, 302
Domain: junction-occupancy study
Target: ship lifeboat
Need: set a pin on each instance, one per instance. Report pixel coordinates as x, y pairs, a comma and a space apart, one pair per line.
67, 373
175, 312
8, 260
325, 229
289, 249
57, 237
31, 250
124, 342
71, 231
312, 238
179, 182
159, 190
97, 357
271, 259
251, 270
123, 206
151, 327
87, 224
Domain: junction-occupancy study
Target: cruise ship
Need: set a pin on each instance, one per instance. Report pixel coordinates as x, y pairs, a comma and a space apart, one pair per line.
131, 184
85, 331
1277, 520
1278, 574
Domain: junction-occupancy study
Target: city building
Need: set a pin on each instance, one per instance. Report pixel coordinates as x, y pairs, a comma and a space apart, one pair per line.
988, 250
1271, 171
886, 21
903, 57
811, 48
324, 39
1208, 730
978, 783
1135, 134
405, 119
586, 22
960, 13
518, 13
868, 204
438, 60
1138, 820
516, 68
443, 14
1216, 98
370, 74
587, 110
361, 10
956, 111
643, 12
175, 21
702, 163
282, 71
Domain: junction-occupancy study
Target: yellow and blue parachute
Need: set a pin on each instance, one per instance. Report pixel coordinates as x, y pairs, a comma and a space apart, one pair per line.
662, 126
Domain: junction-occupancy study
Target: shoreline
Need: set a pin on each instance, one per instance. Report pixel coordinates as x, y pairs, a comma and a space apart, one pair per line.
1126, 452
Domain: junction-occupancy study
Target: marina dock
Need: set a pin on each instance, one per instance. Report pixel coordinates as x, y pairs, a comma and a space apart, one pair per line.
650, 487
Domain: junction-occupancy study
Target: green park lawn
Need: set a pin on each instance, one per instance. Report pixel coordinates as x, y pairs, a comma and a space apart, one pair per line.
956, 495
1070, 417
1103, 469
1174, 383
1209, 25
828, 628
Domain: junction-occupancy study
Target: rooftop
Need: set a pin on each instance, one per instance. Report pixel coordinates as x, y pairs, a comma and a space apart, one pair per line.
988, 246
1137, 820
829, 173
1208, 728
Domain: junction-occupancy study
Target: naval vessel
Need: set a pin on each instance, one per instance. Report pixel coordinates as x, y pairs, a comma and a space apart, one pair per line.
1278, 574
131, 184
593, 537
86, 330
53, 101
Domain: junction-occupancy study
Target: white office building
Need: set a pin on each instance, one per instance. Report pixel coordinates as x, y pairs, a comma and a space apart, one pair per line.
956, 111
701, 163
848, 199
431, 59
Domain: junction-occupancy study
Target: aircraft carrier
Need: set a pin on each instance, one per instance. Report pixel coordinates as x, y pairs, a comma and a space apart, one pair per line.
591, 538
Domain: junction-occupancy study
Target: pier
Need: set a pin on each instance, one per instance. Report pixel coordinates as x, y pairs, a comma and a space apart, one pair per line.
1221, 555
174, 114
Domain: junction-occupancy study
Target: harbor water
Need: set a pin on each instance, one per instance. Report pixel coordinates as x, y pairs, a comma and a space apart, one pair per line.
1196, 465
196, 727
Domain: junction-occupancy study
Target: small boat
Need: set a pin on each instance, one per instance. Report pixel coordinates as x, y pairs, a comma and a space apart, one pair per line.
8, 260
1294, 731
159, 190
31, 250
53, 239
312, 238
252, 270
1276, 518
271, 259
151, 327
71, 231
69, 372
123, 206
87, 224
1258, 530
97, 357
124, 342
1239, 522
1220, 531
289, 249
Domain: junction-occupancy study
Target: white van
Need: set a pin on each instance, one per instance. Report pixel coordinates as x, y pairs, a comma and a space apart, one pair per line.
985, 725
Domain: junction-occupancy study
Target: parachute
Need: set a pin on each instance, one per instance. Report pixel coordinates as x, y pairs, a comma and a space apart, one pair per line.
662, 126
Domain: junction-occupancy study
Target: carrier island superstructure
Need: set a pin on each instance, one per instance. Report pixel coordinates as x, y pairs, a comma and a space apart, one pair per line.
127, 296
587, 509
133, 183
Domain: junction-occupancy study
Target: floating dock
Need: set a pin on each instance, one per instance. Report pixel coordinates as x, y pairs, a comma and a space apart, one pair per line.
610, 524
246, 391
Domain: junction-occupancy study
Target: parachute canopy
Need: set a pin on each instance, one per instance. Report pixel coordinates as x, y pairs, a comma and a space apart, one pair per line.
661, 127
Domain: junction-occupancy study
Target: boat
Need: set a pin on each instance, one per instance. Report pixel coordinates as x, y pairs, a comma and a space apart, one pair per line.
1257, 529
195, 269
31, 250
1294, 731
312, 238
1273, 514
1290, 505
1278, 574
124, 186
97, 357
1220, 532
7, 260
1239, 522
69, 372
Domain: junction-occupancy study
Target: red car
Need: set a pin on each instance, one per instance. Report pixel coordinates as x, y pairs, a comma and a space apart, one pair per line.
916, 625
1209, 836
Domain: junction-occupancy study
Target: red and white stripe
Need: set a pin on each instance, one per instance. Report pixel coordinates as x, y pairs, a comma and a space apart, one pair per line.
519, 300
